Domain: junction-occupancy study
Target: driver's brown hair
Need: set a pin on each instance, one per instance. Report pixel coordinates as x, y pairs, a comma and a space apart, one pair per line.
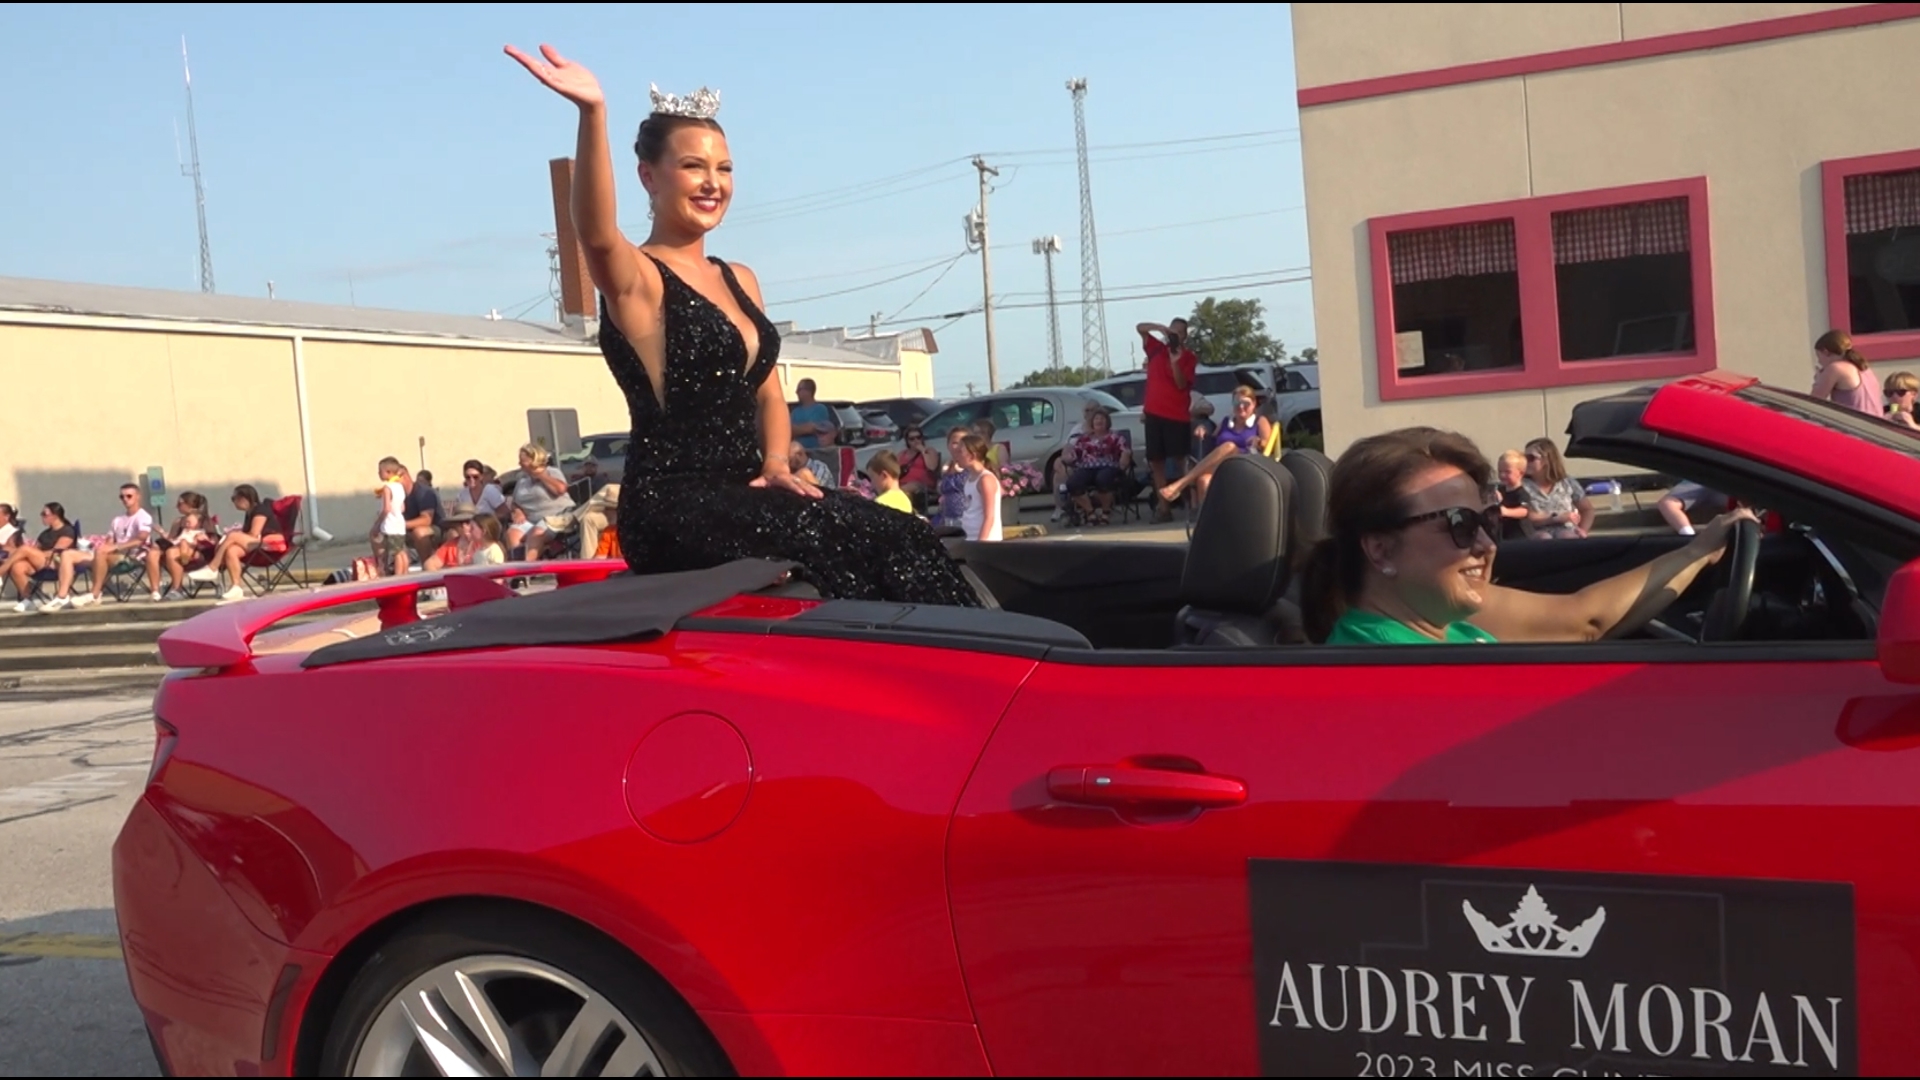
1367, 494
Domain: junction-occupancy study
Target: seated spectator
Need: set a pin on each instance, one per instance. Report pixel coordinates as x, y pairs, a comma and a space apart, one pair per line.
257, 522
541, 494
1062, 468
801, 463
1242, 433
481, 491
884, 471
189, 544
1557, 506
130, 536
10, 535
1098, 458
598, 516
919, 466
1677, 505
57, 535
424, 516
984, 428
473, 539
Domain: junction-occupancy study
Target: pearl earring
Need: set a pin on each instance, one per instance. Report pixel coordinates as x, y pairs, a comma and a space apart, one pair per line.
1387, 570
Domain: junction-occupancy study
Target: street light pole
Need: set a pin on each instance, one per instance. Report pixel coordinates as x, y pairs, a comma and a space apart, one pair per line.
986, 276
1046, 246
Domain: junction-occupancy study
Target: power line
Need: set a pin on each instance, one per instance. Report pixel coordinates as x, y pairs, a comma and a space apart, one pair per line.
1183, 281
955, 261
861, 193
1105, 234
955, 316
862, 288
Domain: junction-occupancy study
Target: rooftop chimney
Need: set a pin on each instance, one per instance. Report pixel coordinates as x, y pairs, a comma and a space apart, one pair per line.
577, 309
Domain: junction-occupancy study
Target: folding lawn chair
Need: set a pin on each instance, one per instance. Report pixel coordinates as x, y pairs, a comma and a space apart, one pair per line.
270, 565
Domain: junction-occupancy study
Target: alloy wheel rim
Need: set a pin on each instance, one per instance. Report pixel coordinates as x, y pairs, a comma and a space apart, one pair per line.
496, 1015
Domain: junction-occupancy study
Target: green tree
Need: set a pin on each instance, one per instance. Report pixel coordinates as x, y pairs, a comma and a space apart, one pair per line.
1309, 355
1227, 332
1064, 376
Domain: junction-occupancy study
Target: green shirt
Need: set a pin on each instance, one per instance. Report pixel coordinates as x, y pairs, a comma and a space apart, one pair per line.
1358, 627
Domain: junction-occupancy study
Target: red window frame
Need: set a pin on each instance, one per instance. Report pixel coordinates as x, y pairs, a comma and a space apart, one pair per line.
1539, 301
1894, 344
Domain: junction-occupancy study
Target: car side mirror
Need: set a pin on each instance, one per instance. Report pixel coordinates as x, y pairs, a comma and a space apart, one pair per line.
1899, 637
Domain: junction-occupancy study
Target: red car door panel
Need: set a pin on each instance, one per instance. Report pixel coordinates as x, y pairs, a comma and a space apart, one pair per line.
1748, 828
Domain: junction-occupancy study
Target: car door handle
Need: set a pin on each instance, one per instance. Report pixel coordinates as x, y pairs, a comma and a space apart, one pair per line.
1121, 785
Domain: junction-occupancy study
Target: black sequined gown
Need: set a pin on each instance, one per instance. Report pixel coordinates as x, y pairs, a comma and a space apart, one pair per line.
685, 503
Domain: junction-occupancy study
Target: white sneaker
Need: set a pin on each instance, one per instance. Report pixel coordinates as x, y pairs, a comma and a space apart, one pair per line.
55, 604
157, 596
26, 606
84, 599
235, 593
206, 573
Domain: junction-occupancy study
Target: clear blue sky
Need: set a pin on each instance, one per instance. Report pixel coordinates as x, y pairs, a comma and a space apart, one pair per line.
397, 145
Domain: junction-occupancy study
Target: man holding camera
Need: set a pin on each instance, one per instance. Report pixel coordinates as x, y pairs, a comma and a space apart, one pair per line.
1167, 408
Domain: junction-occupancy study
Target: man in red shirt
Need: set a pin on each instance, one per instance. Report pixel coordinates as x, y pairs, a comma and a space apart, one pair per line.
1167, 408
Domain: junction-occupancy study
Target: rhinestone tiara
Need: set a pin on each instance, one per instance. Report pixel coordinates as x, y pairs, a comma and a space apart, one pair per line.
702, 104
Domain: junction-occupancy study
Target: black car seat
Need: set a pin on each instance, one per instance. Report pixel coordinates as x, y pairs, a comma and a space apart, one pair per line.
1236, 567
1312, 473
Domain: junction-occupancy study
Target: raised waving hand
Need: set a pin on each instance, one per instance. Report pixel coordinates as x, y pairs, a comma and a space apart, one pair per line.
561, 75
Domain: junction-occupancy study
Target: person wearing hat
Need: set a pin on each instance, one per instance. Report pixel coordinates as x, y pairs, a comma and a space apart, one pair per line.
471, 540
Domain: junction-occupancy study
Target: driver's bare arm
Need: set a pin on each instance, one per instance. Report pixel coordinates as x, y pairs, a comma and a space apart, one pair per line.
1612, 608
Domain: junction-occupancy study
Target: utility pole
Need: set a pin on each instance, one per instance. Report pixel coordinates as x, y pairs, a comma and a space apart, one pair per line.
199, 189
1046, 246
1093, 303
873, 325
986, 276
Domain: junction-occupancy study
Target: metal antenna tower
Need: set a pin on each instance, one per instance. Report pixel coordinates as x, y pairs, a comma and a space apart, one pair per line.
193, 170
1093, 302
1046, 246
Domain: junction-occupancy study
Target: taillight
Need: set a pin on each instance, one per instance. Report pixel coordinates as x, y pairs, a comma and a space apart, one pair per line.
164, 738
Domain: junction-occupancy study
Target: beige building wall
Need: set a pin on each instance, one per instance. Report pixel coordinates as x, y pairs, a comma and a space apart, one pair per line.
1339, 43
1756, 120
216, 407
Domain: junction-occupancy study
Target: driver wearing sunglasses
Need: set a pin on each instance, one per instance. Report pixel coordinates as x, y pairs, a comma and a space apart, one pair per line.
1414, 527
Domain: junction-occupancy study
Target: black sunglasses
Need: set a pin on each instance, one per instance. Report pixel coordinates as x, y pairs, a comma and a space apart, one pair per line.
1463, 523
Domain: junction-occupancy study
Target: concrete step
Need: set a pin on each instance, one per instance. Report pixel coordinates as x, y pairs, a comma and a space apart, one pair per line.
67, 683
54, 631
53, 658
139, 609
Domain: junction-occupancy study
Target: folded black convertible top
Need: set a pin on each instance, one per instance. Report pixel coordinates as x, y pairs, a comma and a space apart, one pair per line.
622, 608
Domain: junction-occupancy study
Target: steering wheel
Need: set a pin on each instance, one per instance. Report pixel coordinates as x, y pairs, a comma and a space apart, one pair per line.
1727, 611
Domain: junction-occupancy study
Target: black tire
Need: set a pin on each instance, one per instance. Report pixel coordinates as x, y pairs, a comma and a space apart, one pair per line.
676, 1035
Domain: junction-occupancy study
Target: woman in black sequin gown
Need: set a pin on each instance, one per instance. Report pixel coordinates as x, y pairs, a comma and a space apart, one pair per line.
685, 336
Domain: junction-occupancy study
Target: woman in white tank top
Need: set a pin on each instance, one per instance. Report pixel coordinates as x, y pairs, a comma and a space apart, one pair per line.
980, 512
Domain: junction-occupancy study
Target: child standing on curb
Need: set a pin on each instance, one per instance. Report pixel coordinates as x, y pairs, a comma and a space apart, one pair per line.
392, 531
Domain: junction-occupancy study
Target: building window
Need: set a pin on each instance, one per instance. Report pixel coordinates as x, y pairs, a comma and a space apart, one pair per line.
1623, 280
1592, 287
1456, 299
1873, 252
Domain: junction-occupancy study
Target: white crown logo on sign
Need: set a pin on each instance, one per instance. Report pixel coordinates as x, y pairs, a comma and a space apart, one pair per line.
1534, 930
702, 104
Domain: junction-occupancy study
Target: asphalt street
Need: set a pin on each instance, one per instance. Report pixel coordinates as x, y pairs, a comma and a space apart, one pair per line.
69, 770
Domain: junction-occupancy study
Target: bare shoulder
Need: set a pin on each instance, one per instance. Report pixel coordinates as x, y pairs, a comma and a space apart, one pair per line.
749, 282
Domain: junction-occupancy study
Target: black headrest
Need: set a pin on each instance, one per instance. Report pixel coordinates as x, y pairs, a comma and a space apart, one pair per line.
1237, 559
1312, 473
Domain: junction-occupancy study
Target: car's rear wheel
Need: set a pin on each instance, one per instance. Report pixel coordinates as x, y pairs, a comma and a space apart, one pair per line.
496, 994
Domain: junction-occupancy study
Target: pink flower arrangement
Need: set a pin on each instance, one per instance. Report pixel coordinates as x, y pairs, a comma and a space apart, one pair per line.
1020, 478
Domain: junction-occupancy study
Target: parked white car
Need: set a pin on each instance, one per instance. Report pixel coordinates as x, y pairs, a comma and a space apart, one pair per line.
1032, 421
1296, 407
1216, 384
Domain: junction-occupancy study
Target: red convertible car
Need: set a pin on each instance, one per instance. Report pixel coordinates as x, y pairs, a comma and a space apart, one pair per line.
635, 825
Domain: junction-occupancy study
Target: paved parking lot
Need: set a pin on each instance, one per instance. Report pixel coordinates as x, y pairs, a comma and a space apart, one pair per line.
69, 771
